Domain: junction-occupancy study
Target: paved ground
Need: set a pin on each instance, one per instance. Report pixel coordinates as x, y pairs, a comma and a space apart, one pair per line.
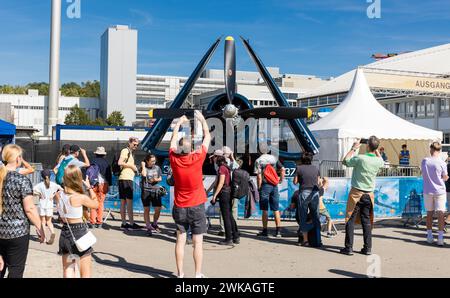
403, 252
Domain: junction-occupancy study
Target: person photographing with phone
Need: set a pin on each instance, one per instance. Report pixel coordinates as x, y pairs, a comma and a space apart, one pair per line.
360, 201
190, 196
151, 195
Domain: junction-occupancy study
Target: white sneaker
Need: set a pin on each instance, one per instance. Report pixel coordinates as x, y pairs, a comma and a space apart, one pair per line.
430, 239
180, 276
440, 242
201, 275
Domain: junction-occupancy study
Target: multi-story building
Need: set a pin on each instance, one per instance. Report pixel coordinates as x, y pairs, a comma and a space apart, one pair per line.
118, 68
414, 86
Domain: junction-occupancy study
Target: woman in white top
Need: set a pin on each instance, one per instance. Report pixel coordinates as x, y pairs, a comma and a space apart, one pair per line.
70, 204
46, 191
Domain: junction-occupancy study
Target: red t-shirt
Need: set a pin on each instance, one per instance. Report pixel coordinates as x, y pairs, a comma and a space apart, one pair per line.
188, 175
223, 170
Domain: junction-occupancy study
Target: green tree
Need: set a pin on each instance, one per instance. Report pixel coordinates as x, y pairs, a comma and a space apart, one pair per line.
99, 122
115, 119
77, 116
90, 89
70, 89
41, 86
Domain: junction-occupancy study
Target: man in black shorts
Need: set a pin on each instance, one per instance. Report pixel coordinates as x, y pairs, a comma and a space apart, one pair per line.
126, 182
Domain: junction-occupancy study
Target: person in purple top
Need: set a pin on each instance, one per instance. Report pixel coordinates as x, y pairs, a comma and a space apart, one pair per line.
434, 172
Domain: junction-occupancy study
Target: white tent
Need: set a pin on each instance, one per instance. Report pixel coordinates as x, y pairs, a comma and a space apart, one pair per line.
360, 115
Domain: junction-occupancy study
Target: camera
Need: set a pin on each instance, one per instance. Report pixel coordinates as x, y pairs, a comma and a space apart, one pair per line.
364, 141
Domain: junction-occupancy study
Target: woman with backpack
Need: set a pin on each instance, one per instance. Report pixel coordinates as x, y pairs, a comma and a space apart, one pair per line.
100, 177
223, 194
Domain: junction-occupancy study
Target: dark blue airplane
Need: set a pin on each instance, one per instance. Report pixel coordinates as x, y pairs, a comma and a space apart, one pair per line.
233, 105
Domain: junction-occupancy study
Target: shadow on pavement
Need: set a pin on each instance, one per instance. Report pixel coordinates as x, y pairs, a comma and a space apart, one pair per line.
347, 273
122, 263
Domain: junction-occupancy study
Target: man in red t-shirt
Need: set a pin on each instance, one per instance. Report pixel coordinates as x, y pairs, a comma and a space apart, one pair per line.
190, 196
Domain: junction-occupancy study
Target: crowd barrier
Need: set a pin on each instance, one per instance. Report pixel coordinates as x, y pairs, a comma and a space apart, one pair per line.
394, 197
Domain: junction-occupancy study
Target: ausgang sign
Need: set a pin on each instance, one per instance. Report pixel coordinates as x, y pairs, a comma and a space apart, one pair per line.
414, 83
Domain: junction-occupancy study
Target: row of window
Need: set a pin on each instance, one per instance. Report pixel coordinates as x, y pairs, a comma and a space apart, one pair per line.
418, 108
323, 100
269, 103
37, 108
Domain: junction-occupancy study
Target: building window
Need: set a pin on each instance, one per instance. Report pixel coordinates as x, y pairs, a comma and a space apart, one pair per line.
420, 109
446, 139
430, 108
444, 108
323, 100
400, 109
332, 99
409, 109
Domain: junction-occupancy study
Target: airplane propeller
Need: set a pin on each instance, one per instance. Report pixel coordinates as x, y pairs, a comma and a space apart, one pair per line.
230, 110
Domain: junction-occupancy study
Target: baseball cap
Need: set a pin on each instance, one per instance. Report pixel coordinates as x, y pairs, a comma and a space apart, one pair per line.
217, 152
227, 151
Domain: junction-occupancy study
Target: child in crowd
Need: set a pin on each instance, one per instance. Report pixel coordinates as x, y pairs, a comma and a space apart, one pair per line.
322, 209
46, 191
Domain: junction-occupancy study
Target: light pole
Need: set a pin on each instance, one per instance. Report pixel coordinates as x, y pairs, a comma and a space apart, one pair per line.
55, 45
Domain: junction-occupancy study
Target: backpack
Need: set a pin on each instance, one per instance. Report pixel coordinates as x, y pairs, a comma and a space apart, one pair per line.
170, 179
93, 173
271, 175
239, 183
115, 168
62, 166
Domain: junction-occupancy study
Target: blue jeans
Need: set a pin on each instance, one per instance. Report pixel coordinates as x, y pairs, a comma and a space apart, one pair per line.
308, 200
269, 195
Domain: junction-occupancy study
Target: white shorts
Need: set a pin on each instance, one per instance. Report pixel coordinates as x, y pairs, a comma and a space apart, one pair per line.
435, 202
46, 212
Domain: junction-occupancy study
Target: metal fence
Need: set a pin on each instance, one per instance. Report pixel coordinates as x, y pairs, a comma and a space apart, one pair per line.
335, 169
46, 152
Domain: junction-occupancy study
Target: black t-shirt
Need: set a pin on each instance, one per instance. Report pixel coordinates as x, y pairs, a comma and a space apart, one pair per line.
308, 176
321, 191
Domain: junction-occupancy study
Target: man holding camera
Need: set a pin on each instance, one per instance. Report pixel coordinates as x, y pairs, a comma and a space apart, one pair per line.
361, 198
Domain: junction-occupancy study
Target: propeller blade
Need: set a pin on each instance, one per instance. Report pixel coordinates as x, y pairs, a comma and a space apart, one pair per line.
170, 113
177, 113
230, 68
277, 112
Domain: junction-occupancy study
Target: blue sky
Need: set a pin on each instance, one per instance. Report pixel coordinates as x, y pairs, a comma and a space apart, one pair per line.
323, 38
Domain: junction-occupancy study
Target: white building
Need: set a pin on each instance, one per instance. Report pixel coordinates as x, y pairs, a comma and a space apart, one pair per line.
31, 110
414, 86
118, 69
158, 91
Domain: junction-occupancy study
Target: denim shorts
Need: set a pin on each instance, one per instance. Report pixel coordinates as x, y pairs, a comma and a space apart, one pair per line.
193, 218
269, 196
67, 244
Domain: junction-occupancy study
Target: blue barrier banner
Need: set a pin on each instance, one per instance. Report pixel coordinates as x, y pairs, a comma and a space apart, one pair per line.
394, 197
